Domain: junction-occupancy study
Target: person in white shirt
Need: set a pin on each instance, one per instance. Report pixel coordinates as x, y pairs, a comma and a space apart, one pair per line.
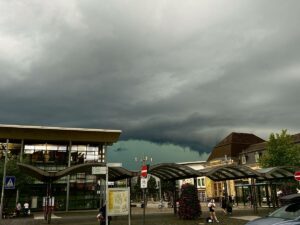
26, 208
211, 208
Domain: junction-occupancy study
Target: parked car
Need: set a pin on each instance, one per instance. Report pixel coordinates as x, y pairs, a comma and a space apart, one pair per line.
286, 215
288, 199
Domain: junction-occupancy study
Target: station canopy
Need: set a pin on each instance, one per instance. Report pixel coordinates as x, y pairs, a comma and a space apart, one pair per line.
279, 172
170, 171
230, 172
173, 171
115, 173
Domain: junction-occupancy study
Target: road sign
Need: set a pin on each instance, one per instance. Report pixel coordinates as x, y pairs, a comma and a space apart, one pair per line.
98, 170
144, 182
297, 175
144, 171
114, 164
10, 182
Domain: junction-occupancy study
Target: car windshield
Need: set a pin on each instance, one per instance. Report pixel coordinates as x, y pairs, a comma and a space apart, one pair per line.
291, 212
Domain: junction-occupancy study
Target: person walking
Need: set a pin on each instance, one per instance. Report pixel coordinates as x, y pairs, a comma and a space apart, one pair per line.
102, 215
18, 209
26, 209
229, 205
223, 205
211, 208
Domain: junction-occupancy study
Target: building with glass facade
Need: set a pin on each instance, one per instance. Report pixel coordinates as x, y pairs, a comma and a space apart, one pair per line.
55, 149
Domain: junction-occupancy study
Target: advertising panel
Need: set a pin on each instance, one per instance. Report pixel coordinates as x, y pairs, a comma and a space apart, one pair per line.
118, 201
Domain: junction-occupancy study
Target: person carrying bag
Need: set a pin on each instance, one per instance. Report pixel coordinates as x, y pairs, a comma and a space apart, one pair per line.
102, 216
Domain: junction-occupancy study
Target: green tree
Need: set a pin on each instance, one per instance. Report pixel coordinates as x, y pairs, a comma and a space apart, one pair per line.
152, 187
23, 181
167, 190
137, 191
280, 151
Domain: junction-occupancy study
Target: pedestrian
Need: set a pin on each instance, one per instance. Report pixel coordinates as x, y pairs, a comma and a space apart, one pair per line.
26, 209
223, 204
229, 205
102, 215
18, 209
211, 208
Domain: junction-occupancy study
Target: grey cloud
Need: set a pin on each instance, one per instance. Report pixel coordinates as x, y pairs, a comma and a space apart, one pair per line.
171, 72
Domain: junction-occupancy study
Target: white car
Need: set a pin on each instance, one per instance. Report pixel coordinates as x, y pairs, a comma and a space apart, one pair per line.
286, 215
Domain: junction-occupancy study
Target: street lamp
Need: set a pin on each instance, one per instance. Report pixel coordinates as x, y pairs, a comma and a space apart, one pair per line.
3, 180
143, 159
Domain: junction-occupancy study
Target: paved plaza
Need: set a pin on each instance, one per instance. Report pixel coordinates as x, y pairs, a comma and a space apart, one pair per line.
154, 216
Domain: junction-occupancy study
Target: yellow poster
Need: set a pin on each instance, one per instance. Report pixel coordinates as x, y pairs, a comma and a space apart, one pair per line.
118, 201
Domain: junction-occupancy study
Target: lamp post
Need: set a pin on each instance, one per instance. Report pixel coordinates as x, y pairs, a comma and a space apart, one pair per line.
3, 180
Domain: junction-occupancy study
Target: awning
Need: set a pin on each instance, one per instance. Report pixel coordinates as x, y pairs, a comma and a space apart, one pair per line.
230, 172
114, 173
279, 172
58, 134
173, 171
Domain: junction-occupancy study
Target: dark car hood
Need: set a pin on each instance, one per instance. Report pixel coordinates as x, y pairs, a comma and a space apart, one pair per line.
272, 221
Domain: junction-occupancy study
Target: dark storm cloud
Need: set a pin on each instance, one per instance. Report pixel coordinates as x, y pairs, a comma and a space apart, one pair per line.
187, 73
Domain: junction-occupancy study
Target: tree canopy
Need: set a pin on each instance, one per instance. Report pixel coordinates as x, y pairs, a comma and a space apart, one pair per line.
22, 179
281, 151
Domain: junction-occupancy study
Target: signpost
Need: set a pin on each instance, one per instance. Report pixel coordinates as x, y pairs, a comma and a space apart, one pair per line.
144, 181
10, 182
297, 175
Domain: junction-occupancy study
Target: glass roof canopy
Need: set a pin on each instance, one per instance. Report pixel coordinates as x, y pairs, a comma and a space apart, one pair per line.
172, 171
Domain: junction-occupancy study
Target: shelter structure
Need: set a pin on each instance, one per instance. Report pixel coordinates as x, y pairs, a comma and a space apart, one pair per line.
266, 177
228, 173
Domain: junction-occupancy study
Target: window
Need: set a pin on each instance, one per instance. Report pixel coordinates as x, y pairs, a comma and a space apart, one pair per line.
244, 159
257, 156
218, 190
201, 182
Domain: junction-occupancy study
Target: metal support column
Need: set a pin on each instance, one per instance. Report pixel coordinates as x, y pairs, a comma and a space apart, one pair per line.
236, 196
22, 151
267, 195
68, 177
174, 197
259, 195
129, 185
243, 193
253, 195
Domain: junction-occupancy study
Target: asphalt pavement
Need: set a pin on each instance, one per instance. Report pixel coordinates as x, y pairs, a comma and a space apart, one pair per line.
153, 216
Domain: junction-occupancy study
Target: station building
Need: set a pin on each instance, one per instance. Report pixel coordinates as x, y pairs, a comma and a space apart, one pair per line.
237, 155
46, 150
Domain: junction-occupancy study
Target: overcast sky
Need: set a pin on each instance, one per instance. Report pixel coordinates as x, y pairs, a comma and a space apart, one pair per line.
178, 73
